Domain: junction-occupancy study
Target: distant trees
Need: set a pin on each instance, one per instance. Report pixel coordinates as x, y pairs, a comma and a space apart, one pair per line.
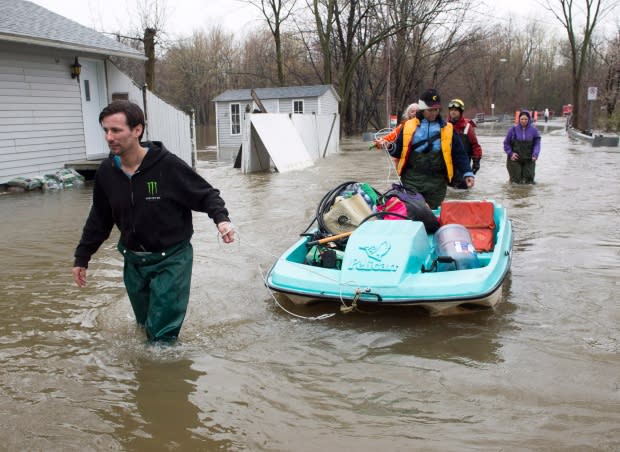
276, 13
381, 54
579, 19
611, 81
195, 70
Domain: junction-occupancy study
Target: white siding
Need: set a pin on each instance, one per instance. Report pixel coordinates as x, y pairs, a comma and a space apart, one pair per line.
225, 139
327, 104
310, 105
271, 105
40, 113
119, 83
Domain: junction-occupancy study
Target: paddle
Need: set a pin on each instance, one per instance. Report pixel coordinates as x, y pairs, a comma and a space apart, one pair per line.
329, 239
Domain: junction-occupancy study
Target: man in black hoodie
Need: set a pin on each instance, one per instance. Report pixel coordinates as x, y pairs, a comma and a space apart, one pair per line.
149, 194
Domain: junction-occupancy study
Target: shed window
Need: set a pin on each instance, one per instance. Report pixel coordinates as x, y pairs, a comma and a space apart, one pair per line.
298, 107
235, 120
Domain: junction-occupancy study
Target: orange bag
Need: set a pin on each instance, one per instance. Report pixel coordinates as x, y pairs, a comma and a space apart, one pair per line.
476, 216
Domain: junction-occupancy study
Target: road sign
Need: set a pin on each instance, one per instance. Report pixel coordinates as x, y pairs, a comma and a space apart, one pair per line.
592, 92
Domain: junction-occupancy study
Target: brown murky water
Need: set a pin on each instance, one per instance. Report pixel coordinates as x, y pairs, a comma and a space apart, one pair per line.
542, 372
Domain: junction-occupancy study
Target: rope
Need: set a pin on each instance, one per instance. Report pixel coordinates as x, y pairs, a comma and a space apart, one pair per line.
387, 147
231, 227
343, 308
319, 317
354, 307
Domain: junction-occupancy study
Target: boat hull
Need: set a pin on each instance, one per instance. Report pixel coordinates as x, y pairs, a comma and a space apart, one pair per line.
390, 263
434, 308
597, 140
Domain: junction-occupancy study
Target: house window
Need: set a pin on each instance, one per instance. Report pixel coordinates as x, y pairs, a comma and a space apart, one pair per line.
87, 90
235, 120
298, 107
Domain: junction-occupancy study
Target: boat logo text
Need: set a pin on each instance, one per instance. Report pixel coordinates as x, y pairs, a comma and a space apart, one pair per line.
374, 261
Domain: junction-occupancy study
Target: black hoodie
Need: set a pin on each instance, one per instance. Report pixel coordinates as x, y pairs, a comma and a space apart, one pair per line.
152, 209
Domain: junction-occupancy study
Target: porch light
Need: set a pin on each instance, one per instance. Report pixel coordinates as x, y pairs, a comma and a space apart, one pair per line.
76, 68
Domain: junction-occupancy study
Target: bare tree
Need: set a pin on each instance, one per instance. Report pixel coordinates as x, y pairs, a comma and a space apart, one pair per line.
146, 35
196, 69
611, 93
258, 66
152, 15
347, 30
572, 12
276, 12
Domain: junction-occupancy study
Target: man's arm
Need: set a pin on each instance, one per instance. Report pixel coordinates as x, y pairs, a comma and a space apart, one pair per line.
96, 230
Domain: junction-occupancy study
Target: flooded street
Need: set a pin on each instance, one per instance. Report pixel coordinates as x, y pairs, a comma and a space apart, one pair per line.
542, 372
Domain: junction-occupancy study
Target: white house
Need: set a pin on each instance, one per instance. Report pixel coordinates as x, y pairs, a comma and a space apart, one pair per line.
233, 106
49, 116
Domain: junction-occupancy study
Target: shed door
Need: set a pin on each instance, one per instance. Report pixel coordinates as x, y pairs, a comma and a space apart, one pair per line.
93, 100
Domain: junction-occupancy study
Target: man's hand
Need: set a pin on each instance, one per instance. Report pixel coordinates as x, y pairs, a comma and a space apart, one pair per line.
475, 165
469, 181
227, 231
79, 276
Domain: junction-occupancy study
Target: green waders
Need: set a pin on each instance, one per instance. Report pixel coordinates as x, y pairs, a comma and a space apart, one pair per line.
522, 171
426, 174
158, 287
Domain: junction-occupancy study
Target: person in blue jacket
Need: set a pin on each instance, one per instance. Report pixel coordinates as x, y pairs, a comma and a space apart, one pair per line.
428, 151
149, 194
522, 148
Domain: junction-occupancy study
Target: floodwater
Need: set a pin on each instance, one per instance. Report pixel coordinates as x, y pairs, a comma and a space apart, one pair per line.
540, 373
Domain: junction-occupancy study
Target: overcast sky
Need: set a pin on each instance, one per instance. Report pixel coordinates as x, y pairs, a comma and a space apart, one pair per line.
185, 16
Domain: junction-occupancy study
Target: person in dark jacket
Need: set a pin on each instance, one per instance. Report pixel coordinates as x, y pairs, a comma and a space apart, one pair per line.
149, 194
428, 152
522, 148
464, 128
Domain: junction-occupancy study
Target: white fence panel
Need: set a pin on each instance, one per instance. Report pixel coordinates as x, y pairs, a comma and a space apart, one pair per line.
170, 126
320, 133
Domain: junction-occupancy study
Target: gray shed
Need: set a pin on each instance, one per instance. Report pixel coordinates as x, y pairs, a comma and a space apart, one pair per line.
232, 105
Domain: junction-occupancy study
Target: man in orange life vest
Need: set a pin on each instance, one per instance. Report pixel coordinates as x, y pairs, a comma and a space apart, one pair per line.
428, 152
409, 113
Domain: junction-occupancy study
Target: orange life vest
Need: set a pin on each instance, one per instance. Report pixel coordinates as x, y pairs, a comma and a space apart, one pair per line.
446, 145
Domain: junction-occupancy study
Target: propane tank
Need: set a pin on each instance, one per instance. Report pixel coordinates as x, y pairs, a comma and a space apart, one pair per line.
454, 241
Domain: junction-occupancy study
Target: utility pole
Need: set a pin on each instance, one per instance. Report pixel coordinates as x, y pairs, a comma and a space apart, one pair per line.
388, 85
149, 52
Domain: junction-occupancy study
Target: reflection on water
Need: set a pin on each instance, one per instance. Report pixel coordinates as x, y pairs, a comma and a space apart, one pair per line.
168, 418
248, 376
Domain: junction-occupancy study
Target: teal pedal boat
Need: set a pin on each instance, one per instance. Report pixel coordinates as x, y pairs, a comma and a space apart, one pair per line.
399, 263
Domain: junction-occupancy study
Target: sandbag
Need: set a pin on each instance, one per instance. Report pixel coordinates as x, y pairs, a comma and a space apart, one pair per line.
26, 183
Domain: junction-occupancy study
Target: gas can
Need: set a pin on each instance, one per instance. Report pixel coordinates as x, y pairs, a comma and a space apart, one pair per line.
454, 240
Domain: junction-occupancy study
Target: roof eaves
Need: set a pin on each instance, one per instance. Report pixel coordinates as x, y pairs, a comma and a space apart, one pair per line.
70, 46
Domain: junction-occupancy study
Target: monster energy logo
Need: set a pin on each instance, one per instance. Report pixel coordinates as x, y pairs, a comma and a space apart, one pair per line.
151, 187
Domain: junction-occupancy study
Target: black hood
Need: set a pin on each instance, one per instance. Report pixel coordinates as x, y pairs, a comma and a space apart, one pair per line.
157, 151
